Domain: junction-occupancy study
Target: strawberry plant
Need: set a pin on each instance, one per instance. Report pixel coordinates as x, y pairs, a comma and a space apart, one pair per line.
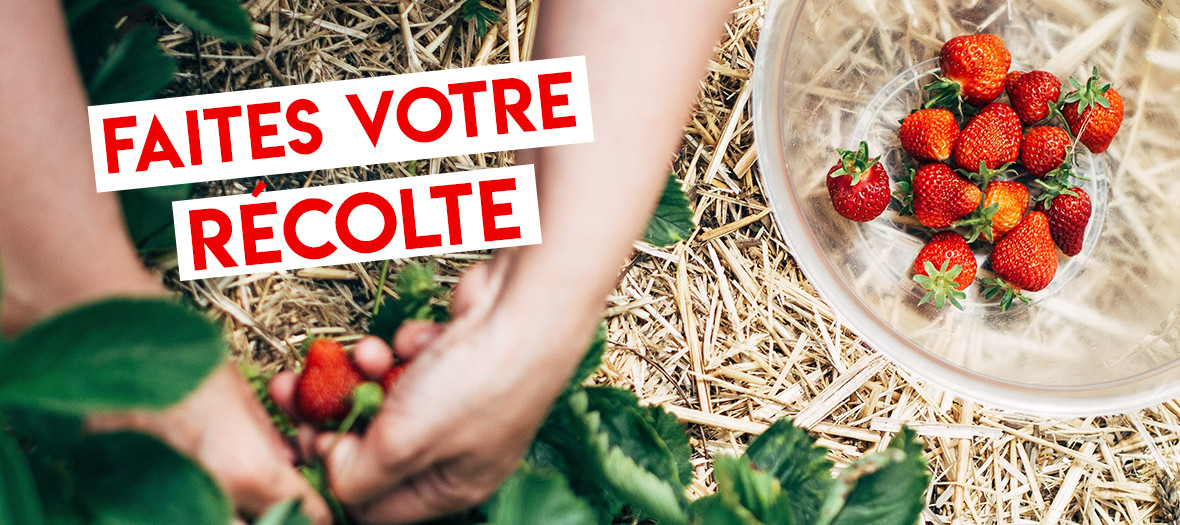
113, 355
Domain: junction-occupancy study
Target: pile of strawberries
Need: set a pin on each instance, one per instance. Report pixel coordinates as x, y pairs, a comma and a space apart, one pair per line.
988, 171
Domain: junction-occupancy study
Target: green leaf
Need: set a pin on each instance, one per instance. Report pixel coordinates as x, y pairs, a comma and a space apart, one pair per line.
630, 428
284, 513
92, 32
592, 359
220, 18
116, 354
886, 488
53, 434
715, 510
130, 478
538, 498
416, 299
18, 494
630, 482
741, 485
672, 220
481, 13
147, 212
790, 455
135, 70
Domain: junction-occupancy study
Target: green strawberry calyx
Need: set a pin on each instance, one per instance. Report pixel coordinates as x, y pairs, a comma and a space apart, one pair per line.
980, 222
940, 284
855, 164
366, 401
904, 194
1007, 292
984, 175
945, 94
1090, 95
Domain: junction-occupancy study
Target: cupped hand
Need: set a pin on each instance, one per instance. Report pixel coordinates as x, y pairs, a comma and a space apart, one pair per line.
461, 417
225, 429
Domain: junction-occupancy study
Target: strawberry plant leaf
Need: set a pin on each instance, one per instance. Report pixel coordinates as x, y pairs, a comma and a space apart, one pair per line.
715, 509
220, 18
629, 481
115, 354
135, 69
132, 478
742, 485
538, 498
19, 502
417, 296
632, 428
92, 31
147, 212
885, 488
54, 434
592, 359
483, 15
672, 220
288, 512
803, 470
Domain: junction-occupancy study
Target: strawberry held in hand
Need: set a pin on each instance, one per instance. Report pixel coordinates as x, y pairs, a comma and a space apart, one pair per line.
940, 196
974, 68
944, 268
992, 137
929, 134
1025, 259
1068, 214
1094, 113
324, 392
858, 185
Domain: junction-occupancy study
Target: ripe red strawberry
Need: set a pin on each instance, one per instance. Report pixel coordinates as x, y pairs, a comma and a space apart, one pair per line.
324, 389
1025, 259
945, 267
858, 185
1094, 113
1044, 149
974, 68
392, 376
929, 134
941, 197
1033, 95
1068, 216
1003, 206
992, 137
1010, 82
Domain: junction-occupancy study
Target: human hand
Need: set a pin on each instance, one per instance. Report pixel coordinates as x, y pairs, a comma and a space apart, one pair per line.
459, 420
223, 427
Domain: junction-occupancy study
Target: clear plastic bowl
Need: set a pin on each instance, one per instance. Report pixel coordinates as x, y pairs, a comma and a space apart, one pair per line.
1104, 336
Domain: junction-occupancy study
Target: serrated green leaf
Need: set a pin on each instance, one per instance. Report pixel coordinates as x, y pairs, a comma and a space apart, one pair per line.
789, 454
53, 434
135, 69
116, 354
631, 428
19, 502
592, 359
147, 212
632, 484
220, 18
672, 220
130, 478
538, 498
886, 488
284, 513
753, 490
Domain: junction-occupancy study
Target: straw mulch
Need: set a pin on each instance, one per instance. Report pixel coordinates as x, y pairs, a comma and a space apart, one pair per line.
724, 330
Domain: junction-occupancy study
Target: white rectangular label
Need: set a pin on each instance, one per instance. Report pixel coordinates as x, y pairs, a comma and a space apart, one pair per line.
363, 221
337, 124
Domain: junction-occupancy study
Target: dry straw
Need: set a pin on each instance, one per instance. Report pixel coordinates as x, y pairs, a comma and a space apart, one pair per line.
724, 330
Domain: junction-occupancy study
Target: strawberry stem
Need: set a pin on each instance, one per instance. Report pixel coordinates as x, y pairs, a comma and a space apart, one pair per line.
366, 400
980, 222
855, 163
940, 285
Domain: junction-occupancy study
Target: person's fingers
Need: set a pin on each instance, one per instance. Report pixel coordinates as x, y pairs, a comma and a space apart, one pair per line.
282, 391
415, 336
475, 285
433, 494
255, 492
373, 357
361, 468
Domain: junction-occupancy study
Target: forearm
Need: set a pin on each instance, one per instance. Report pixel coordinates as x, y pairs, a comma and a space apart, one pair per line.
61, 242
596, 198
